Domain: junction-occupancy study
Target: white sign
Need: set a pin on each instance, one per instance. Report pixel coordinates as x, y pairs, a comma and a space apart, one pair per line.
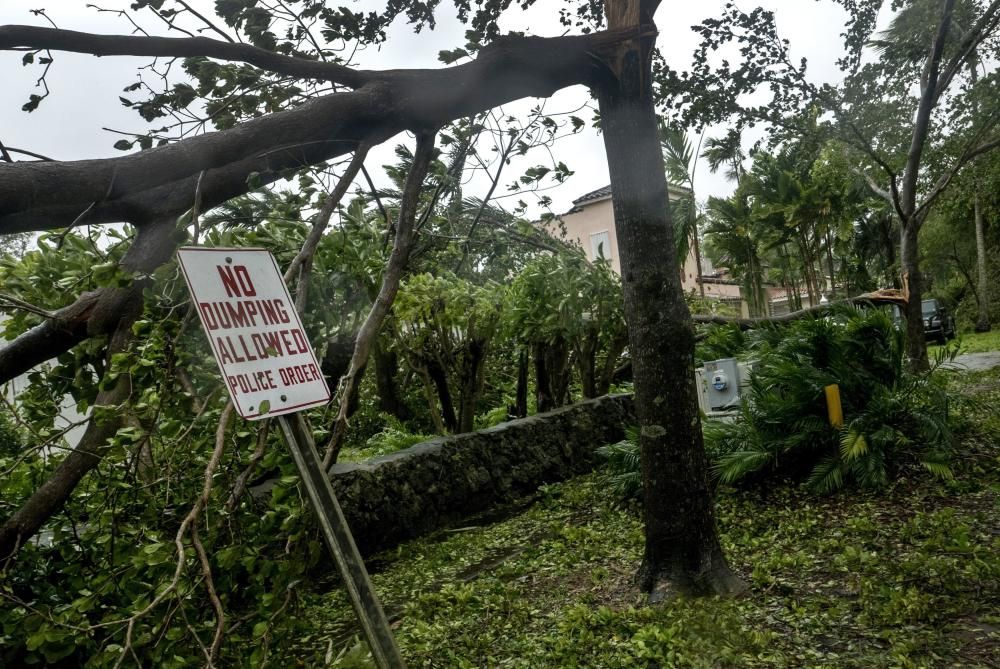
267, 363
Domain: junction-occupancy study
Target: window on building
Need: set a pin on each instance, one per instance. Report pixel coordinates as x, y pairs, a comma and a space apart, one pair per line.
600, 245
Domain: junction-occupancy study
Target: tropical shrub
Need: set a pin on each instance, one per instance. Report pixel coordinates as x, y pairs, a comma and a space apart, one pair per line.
568, 312
891, 416
623, 459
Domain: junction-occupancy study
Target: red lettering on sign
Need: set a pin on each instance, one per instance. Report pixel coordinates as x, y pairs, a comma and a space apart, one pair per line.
224, 354
282, 314
206, 312
296, 374
237, 314
236, 280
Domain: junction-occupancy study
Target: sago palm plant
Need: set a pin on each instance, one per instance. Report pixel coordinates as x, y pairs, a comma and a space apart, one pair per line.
890, 415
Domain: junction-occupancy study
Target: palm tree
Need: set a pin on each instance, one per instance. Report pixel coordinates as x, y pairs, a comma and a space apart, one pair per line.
732, 236
679, 159
726, 151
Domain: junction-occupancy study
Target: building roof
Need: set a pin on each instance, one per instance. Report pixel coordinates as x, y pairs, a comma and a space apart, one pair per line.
604, 192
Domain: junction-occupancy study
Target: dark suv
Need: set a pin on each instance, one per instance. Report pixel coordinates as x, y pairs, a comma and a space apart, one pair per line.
938, 323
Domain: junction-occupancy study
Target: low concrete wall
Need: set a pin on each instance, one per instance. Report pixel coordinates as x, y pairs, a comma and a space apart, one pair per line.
437, 483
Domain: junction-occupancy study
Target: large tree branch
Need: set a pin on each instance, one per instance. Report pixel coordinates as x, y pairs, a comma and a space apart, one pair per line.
968, 43
56, 39
878, 298
162, 181
921, 125
874, 187
945, 179
391, 278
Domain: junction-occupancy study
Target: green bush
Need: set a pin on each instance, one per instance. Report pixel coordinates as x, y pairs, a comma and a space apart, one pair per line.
624, 462
10, 439
722, 341
890, 415
393, 437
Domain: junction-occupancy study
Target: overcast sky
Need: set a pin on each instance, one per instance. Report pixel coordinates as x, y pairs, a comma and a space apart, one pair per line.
85, 89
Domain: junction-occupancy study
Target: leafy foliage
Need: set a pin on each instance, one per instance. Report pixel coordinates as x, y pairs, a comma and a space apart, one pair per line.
906, 579
891, 417
623, 459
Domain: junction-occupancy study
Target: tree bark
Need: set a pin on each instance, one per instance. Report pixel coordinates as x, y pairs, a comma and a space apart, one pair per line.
162, 181
521, 394
386, 366
697, 259
544, 401
983, 293
586, 364
337, 361
829, 261
439, 378
889, 248
909, 261
682, 550
472, 383
615, 348
429, 397
560, 369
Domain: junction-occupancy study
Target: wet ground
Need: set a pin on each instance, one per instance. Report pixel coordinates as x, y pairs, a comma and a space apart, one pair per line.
978, 362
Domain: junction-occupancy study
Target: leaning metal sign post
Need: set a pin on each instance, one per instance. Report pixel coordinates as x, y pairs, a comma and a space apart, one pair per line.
270, 371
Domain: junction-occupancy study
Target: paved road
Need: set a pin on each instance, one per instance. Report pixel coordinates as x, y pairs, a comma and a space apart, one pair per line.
978, 362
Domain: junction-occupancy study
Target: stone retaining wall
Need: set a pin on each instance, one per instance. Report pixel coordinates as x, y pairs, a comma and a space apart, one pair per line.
437, 483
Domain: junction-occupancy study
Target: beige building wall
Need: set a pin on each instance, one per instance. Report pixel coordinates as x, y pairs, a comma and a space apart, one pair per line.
592, 219
597, 217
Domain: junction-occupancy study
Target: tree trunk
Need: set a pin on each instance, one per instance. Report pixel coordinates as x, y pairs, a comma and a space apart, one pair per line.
909, 261
386, 366
615, 348
544, 401
586, 364
521, 394
337, 361
432, 405
983, 319
472, 383
560, 370
682, 550
440, 379
829, 261
697, 258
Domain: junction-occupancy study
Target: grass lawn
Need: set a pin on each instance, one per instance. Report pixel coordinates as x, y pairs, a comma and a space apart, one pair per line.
906, 578
978, 342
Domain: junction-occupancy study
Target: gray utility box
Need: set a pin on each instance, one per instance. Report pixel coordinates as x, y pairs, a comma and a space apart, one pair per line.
721, 383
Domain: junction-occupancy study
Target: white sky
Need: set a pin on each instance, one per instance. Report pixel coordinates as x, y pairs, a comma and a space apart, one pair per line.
85, 89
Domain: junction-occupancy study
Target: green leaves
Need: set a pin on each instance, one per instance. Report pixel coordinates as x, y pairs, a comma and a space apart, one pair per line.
893, 419
449, 57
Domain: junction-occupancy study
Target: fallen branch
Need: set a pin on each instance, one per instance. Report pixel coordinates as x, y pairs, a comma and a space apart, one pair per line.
894, 297
391, 278
190, 520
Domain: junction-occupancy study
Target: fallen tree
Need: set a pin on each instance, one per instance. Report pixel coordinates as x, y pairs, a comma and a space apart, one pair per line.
161, 190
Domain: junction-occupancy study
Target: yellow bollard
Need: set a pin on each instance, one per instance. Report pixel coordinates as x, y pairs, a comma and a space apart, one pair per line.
833, 407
